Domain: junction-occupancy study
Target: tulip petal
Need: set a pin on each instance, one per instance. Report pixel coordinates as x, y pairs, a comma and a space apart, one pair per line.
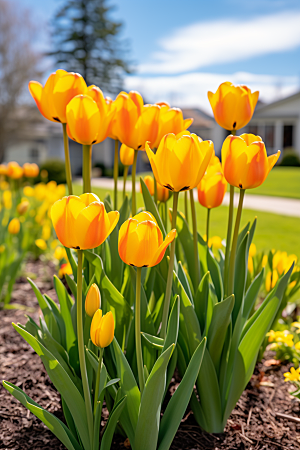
89, 198
92, 226
64, 213
160, 252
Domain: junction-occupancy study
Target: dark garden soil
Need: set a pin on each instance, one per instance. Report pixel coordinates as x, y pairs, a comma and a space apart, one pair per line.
266, 416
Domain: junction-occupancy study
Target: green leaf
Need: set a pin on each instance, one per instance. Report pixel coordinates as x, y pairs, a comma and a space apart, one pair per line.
242, 234
72, 285
151, 207
180, 399
251, 295
215, 274
147, 428
65, 301
112, 423
184, 281
173, 325
55, 425
72, 262
186, 240
240, 276
201, 300
155, 341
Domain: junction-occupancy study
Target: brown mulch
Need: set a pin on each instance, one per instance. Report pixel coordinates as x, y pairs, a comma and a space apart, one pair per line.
257, 422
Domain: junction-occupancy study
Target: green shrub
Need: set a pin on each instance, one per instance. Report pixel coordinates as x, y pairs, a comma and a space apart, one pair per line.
55, 169
290, 158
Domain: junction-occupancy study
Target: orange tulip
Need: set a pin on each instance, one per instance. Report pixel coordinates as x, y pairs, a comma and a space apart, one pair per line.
60, 88
14, 226
213, 185
82, 222
180, 161
14, 171
233, 106
141, 242
31, 170
245, 162
170, 121
3, 169
149, 182
102, 329
163, 194
126, 155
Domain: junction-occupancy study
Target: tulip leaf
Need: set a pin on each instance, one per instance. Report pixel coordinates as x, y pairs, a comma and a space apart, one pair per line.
68, 334
173, 325
112, 423
151, 206
63, 384
55, 425
242, 234
180, 399
184, 281
251, 295
215, 274
240, 276
201, 301
155, 341
147, 428
72, 285
186, 240
72, 262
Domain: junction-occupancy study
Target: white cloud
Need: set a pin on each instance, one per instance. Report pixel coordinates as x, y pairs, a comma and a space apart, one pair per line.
221, 41
190, 90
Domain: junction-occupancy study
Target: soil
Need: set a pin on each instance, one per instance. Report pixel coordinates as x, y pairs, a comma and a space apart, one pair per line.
257, 422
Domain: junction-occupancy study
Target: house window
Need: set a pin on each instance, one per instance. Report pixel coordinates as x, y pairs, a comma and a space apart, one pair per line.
269, 136
288, 131
34, 154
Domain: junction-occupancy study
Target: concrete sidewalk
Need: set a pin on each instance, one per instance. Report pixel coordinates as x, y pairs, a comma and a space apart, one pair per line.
276, 205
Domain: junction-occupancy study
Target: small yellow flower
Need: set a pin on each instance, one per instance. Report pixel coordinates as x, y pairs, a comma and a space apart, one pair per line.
297, 345
65, 269
60, 253
264, 261
252, 250
250, 264
41, 244
93, 300
14, 226
293, 375
215, 242
28, 191
271, 280
296, 325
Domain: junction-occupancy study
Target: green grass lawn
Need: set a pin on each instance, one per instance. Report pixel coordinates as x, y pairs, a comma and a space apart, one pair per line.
272, 231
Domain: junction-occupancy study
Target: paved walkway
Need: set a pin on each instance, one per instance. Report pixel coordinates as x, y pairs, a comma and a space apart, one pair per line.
277, 205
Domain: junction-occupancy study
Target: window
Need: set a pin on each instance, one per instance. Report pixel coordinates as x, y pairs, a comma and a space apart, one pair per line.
288, 136
269, 136
34, 154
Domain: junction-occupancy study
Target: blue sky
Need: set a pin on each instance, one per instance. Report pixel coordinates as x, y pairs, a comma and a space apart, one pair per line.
181, 49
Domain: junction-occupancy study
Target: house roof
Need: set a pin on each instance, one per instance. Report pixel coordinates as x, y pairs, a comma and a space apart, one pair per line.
201, 118
266, 106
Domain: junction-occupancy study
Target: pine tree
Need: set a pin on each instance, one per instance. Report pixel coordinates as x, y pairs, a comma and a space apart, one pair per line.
86, 41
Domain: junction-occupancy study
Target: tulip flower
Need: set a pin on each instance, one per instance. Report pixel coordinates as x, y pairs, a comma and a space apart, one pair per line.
233, 106
82, 222
3, 169
245, 162
213, 185
41, 244
92, 300
180, 162
126, 155
149, 182
31, 170
14, 226
14, 171
170, 121
65, 269
102, 329
23, 207
7, 199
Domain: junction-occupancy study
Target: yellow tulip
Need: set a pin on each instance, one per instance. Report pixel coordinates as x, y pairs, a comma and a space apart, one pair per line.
180, 161
213, 185
102, 329
252, 250
4, 185
31, 170
163, 194
65, 269
245, 162
250, 264
60, 253
233, 106
7, 199
126, 155
23, 207
82, 222
215, 242
141, 242
88, 117
170, 121
149, 182
3, 169
28, 191
14, 171
14, 226
92, 300
271, 280
41, 244
60, 88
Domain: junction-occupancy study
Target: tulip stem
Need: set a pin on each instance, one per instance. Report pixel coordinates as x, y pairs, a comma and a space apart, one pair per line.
133, 201
228, 239
234, 243
186, 207
163, 330
86, 168
98, 380
195, 236
81, 351
124, 180
166, 216
207, 225
116, 173
67, 160
138, 337
155, 191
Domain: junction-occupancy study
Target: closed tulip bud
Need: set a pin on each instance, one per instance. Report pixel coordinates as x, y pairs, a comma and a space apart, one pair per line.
41, 244
126, 155
213, 185
163, 194
60, 88
14, 171
82, 222
245, 162
3, 169
180, 161
170, 121
93, 300
14, 226
252, 250
30, 170
149, 182
23, 207
102, 329
7, 199
233, 106
141, 241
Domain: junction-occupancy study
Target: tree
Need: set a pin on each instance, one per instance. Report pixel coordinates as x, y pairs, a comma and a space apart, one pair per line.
86, 41
18, 64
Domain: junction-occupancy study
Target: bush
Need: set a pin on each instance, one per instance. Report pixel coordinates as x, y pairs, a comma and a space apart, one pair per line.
290, 158
55, 169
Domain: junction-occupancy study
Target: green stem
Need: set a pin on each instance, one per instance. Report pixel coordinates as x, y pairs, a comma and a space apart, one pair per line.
86, 167
195, 237
133, 205
234, 243
138, 337
67, 159
155, 191
116, 173
228, 239
81, 351
207, 225
163, 329
124, 180
98, 380
186, 207
166, 216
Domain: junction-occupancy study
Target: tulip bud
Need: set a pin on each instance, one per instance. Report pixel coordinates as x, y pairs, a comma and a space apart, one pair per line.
41, 244
93, 300
23, 207
102, 329
14, 226
149, 182
126, 155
